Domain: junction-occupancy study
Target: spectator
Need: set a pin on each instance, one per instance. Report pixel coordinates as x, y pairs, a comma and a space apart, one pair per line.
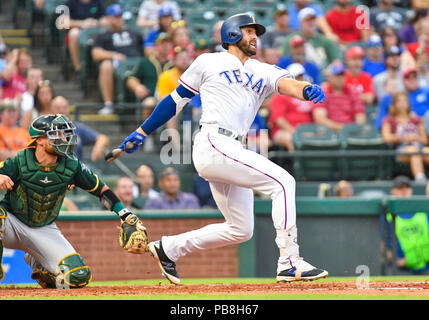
412, 232
124, 191
34, 76
418, 97
392, 61
422, 66
13, 73
342, 105
422, 40
374, 61
390, 38
298, 55
149, 12
408, 33
201, 46
404, 130
201, 188
343, 189
144, 190
86, 135
83, 14
275, 36
298, 6
216, 41
387, 15
318, 48
164, 26
181, 39
112, 47
355, 76
171, 197
169, 80
343, 19
12, 137
42, 103
4, 52
286, 113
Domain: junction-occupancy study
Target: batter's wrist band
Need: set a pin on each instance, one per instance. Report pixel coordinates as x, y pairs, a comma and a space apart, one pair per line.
304, 93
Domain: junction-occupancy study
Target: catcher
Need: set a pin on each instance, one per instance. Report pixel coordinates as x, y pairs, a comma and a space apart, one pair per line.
37, 180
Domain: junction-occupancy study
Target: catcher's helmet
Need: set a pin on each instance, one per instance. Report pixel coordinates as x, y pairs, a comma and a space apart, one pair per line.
59, 130
231, 29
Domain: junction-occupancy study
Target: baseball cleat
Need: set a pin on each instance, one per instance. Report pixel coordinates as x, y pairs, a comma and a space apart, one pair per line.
301, 271
168, 267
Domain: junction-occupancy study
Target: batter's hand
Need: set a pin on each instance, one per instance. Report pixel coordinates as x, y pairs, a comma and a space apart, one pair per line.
314, 93
6, 183
136, 138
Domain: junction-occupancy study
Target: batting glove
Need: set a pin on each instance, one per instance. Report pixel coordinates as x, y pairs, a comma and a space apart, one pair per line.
314, 93
136, 139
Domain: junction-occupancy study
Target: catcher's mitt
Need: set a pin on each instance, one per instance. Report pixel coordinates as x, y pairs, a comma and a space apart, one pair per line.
133, 235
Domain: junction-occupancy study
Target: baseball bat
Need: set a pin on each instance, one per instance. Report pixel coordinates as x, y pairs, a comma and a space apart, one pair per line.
115, 153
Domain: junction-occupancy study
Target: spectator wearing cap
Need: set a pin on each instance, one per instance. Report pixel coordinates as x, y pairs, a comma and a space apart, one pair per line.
148, 14
171, 197
287, 113
111, 47
12, 137
295, 9
298, 55
374, 61
392, 61
343, 18
355, 76
385, 14
164, 25
83, 14
318, 48
404, 130
418, 97
343, 103
275, 36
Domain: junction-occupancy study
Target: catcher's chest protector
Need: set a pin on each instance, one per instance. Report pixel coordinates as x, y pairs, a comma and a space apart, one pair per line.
41, 190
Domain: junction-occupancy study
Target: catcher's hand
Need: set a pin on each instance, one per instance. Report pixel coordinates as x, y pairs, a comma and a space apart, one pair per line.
133, 235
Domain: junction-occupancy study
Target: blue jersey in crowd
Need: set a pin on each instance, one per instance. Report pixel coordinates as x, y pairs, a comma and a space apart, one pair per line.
312, 72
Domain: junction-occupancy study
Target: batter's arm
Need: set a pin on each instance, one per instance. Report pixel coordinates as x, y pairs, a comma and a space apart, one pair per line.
302, 90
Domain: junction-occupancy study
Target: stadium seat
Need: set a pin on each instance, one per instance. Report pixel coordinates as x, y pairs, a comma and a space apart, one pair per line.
88, 66
263, 10
314, 137
121, 75
363, 137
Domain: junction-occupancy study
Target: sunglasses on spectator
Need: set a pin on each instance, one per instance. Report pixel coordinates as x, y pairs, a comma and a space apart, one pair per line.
44, 83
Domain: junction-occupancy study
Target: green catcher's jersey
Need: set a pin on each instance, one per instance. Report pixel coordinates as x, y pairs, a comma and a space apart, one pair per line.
39, 191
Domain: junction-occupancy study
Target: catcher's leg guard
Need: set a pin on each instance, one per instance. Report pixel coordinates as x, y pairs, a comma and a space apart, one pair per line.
74, 272
1, 256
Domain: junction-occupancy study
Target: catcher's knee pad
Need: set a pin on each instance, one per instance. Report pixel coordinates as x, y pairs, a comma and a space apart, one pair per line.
73, 271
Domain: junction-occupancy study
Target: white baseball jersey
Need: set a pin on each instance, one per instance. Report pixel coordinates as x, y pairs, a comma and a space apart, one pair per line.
231, 93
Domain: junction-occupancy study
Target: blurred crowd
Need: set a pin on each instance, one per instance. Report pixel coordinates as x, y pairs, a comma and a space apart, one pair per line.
372, 64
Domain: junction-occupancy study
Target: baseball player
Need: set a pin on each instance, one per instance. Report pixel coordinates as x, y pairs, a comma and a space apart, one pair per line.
232, 88
37, 180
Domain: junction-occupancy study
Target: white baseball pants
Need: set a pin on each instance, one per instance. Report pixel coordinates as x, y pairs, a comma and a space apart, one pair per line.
234, 173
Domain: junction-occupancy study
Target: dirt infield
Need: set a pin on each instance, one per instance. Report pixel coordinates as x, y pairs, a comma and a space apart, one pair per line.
414, 288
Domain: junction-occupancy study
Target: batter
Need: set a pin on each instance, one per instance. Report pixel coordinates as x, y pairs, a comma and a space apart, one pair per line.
232, 88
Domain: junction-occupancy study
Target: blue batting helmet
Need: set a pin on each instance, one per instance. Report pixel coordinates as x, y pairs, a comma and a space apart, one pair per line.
231, 29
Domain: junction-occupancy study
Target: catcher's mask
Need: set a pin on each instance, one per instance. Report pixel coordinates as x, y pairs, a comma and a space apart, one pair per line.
60, 132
